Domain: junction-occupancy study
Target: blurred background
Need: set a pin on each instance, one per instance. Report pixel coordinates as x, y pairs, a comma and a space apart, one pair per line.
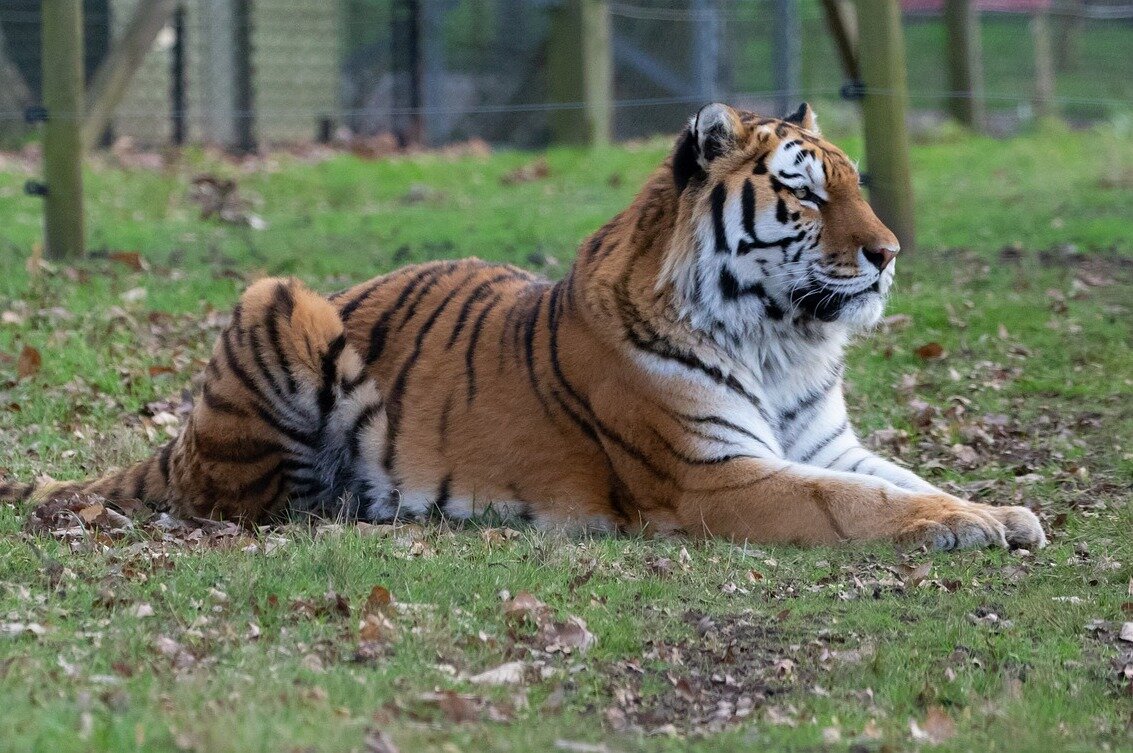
246, 74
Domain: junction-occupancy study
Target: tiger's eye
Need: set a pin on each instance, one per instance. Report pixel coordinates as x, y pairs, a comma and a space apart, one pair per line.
801, 192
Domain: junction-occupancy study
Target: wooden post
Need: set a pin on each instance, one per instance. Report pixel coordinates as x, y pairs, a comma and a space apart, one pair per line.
786, 55
882, 61
109, 82
597, 71
580, 69
843, 27
1044, 66
62, 46
436, 124
245, 100
965, 63
178, 110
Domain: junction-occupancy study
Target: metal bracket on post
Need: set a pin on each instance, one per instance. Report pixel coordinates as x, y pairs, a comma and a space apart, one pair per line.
35, 188
853, 90
35, 114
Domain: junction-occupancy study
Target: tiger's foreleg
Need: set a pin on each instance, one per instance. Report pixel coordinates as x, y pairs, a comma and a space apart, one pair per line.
710, 487
780, 501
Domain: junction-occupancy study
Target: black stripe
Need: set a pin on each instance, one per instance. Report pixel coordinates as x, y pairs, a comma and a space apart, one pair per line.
719, 197
352, 305
666, 350
554, 314
478, 293
264, 413
825, 441
411, 310
473, 339
397, 391
261, 364
219, 404
330, 365
725, 423
841, 455
380, 328
854, 468
687, 459
241, 451
748, 200
444, 495
283, 305
809, 400
163, 459
529, 351
781, 212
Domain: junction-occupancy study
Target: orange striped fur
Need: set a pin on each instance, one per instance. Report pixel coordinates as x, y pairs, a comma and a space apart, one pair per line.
684, 376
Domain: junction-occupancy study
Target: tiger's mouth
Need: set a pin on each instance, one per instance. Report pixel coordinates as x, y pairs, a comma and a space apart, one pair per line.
827, 304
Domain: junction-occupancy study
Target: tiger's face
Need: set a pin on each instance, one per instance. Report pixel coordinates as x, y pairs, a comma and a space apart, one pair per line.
774, 226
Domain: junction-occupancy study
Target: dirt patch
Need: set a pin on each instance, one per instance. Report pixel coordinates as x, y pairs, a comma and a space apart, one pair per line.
732, 668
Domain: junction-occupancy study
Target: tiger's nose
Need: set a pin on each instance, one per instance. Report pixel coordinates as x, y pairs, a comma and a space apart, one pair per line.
880, 256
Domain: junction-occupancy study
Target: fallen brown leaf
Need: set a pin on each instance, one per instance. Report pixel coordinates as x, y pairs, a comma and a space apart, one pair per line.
29, 362
930, 351
131, 259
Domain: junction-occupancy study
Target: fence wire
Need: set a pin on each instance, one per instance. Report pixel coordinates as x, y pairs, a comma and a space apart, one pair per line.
440, 71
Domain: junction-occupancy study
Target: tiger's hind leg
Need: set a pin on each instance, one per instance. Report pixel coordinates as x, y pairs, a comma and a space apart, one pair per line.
285, 414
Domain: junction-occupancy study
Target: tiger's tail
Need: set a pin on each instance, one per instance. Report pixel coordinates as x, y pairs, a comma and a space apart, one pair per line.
284, 411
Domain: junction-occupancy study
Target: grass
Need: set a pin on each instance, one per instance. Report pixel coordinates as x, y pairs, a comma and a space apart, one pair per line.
229, 642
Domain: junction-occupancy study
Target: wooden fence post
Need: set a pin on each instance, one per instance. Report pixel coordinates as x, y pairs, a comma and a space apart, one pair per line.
786, 56
1044, 65
882, 61
597, 71
242, 73
965, 63
109, 82
580, 70
62, 46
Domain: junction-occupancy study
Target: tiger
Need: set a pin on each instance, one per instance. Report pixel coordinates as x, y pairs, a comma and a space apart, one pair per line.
684, 377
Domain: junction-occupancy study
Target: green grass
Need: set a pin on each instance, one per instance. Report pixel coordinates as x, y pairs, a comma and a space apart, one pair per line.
1043, 340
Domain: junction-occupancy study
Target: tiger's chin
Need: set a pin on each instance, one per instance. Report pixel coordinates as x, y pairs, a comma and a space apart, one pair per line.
862, 313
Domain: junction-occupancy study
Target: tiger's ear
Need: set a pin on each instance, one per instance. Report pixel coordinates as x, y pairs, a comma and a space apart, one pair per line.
713, 131
805, 118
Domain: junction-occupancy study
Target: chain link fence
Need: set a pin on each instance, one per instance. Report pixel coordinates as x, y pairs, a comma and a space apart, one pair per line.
249, 73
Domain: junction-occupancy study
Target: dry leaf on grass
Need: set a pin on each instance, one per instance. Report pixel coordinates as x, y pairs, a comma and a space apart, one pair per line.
930, 351
29, 362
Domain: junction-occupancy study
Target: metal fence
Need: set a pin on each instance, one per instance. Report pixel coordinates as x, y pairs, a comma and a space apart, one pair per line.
247, 73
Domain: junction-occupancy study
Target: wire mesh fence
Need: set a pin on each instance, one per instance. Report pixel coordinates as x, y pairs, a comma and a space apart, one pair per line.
258, 72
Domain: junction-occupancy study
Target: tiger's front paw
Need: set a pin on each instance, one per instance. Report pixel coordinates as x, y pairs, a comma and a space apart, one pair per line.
947, 523
1022, 527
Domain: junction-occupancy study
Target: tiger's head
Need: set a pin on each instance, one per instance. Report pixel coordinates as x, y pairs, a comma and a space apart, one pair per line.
772, 225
